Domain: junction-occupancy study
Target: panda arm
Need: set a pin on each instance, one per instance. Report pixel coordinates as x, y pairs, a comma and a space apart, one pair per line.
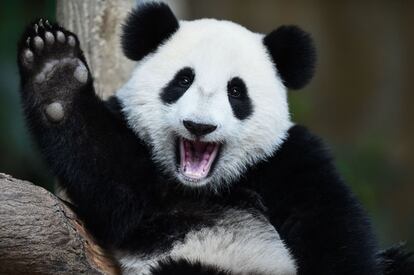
95, 156
315, 213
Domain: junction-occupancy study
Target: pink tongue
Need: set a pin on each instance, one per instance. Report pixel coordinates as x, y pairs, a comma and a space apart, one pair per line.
196, 159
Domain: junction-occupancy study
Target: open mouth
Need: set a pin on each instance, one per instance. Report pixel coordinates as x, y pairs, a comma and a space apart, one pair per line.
197, 158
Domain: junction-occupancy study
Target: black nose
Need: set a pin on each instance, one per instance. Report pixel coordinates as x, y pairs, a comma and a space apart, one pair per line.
199, 129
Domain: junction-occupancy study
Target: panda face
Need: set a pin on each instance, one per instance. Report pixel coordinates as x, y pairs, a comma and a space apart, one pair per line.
209, 102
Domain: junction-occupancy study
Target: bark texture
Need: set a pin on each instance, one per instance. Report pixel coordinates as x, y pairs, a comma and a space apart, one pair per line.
39, 234
98, 26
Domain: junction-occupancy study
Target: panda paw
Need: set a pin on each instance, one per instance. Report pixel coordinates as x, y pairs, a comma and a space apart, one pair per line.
52, 68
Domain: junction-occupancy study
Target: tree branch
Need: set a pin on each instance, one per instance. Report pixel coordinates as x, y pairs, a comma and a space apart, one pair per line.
40, 234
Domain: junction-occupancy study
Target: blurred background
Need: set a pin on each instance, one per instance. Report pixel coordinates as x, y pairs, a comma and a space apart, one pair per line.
360, 101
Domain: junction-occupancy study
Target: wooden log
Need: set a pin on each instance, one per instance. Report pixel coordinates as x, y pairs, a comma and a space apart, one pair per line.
39, 234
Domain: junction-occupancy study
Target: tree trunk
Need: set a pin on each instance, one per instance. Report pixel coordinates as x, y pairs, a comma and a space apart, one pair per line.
39, 234
97, 23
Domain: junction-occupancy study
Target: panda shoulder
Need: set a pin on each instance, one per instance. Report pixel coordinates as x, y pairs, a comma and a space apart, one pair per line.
302, 146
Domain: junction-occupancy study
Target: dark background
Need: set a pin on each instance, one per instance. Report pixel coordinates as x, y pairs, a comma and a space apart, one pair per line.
360, 101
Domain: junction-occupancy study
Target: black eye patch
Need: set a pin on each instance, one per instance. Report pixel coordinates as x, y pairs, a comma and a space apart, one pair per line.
178, 85
239, 99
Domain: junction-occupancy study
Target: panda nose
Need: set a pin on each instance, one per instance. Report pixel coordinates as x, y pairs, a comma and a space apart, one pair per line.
199, 129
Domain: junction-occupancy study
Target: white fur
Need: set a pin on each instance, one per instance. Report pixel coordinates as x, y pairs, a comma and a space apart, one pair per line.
217, 51
240, 242
137, 264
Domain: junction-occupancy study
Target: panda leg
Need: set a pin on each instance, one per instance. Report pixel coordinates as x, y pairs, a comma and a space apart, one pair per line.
90, 150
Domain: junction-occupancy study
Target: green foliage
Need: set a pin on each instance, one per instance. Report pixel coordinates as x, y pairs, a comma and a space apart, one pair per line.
17, 155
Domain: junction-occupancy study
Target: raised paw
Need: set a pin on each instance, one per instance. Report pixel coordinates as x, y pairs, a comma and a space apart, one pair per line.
52, 67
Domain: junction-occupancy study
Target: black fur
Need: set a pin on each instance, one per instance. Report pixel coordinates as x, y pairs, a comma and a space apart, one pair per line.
146, 28
173, 212
314, 212
241, 104
178, 85
184, 267
127, 203
396, 261
294, 55
82, 147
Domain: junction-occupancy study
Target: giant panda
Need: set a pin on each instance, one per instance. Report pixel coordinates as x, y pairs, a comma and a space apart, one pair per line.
194, 166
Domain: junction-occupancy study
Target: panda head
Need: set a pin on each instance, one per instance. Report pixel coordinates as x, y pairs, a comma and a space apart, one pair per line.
210, 97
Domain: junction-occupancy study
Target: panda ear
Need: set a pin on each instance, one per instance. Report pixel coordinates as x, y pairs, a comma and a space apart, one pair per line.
146, 27
293, 54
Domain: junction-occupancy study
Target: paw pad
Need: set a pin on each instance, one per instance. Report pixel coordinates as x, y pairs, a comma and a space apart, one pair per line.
38, 43
28, 56
54, 112
81, 73
60, 37
71, 41
50, 39
46, 71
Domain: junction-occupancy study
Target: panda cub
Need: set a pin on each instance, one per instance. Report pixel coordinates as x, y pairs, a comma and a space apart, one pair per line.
195, 166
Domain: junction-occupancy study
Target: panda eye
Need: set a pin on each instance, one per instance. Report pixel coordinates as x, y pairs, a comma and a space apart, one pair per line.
238, 98
184, 81
235, 91
178, 85
236, 88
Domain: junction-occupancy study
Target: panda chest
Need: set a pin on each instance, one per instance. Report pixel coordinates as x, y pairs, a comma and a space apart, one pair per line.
240, 242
